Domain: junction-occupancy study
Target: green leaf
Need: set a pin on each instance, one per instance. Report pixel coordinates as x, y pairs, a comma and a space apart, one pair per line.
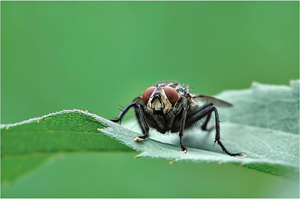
29, 143
67, 131
264, 124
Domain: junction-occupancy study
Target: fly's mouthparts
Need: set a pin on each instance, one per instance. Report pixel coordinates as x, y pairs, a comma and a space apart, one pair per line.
156, 96
156, 103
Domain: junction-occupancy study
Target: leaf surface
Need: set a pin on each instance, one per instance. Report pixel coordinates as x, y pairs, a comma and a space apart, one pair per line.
27, 144
263, 123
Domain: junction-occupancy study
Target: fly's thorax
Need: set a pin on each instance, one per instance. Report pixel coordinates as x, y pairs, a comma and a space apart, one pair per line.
192, 104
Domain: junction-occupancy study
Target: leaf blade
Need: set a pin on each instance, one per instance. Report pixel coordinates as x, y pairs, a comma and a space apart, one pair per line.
271, 143
68, 130
270, 148
26, 144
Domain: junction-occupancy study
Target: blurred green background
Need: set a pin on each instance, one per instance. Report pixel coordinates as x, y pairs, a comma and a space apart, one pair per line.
100, 55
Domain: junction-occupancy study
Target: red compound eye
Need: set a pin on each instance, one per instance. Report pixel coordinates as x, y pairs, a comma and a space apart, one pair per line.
147, 94
171, 94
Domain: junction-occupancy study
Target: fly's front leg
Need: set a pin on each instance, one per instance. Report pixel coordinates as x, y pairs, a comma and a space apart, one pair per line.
140, 116
123, 112
183, 119
142, 122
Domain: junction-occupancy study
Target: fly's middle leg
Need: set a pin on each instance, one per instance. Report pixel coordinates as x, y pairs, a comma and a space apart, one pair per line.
206, 111
204, 125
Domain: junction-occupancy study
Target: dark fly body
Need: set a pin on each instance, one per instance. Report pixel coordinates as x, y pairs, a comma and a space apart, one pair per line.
169, 106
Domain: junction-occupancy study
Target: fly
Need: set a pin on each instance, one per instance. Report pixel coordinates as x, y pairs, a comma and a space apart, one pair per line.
169, 106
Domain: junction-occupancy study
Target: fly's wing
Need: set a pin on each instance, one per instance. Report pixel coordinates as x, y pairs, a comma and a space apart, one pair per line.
210, 99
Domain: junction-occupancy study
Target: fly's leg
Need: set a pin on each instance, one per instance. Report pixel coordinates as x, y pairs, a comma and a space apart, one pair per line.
204, 125
140, 116
217, 139
143, 124
183, 119
123, 112
205, 111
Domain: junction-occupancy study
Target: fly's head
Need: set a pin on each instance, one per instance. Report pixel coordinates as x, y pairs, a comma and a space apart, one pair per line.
160, 98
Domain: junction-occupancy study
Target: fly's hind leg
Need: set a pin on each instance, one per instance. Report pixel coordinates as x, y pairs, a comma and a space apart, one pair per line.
206, 111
